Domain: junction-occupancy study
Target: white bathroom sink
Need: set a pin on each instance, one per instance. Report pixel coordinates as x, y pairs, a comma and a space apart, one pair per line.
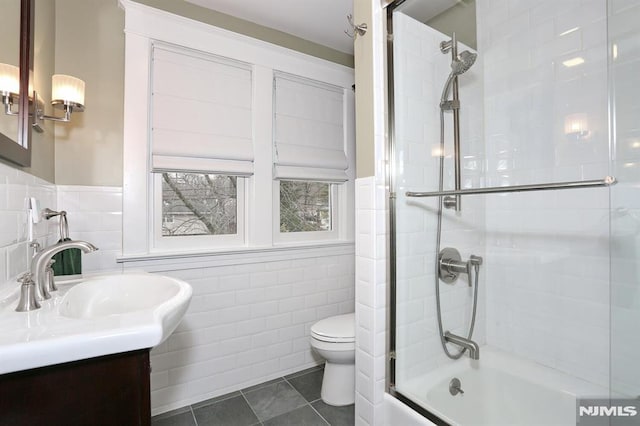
91, 317
121, 294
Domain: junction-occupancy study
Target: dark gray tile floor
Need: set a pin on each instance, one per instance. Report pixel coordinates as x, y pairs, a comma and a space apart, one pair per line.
292, 400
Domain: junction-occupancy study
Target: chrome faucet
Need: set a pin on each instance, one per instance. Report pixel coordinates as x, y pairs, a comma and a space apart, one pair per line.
41, 259
470, 345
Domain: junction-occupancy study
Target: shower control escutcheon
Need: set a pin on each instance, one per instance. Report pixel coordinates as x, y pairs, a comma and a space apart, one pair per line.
455, 387
450, 265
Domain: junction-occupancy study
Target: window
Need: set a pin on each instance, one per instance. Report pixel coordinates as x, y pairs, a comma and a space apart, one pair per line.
201, 148
233, 147
306, 211
310, 162
199, 204
305, 206
198, 210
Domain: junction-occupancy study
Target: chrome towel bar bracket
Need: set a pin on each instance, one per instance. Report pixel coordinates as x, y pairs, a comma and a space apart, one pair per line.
607, 181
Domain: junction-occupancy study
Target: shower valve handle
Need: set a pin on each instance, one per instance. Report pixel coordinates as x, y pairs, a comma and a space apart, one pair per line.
451, 265
473, 261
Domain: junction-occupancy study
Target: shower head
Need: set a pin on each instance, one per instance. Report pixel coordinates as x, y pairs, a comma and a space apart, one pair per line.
460, 65
465, 61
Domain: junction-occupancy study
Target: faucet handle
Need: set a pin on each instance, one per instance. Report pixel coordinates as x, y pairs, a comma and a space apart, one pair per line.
26, 278
36, 246
28, 301
473, 261
50, 279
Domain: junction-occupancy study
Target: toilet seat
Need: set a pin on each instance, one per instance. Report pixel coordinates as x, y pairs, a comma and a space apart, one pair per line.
337, 329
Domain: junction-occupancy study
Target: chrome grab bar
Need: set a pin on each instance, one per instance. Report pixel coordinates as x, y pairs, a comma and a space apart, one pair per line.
607, 181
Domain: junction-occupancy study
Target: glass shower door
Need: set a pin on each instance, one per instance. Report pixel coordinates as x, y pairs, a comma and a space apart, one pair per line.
624, 43
534, 109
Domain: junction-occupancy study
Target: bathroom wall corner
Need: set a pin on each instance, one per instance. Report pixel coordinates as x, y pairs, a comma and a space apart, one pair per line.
371, 300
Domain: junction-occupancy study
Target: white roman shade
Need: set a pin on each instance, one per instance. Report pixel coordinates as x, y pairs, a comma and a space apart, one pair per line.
201, 113
309, 134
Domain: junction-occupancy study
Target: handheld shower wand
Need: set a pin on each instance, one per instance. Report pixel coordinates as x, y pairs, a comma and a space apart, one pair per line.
459, 65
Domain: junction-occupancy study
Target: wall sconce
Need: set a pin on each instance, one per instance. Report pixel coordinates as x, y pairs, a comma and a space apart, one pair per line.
67, 94
9, 86
576, 127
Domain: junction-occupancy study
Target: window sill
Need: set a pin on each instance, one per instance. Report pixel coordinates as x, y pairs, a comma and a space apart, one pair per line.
165, 261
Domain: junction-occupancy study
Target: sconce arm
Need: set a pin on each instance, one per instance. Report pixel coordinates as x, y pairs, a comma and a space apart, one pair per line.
7, 101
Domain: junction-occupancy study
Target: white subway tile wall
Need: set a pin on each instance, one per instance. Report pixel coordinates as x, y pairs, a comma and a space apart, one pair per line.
371, 300
422, 70
16, 187
247, 323
547, 253
94, 214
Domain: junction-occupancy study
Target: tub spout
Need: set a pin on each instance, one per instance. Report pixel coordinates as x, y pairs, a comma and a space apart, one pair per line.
470, 345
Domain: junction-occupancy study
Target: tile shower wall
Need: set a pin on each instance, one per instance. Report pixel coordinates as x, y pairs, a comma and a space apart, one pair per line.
625, 217
547, 253
248, 322
423, 70
15, 189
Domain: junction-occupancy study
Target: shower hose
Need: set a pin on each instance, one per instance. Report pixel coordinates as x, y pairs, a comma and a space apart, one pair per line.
476, 267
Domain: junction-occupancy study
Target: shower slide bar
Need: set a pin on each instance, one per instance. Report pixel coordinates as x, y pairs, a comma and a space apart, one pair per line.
607, 181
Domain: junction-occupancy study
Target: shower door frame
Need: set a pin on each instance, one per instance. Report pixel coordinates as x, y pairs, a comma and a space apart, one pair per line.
390, 178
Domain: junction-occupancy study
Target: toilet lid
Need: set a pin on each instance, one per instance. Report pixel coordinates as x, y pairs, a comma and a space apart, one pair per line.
341, 328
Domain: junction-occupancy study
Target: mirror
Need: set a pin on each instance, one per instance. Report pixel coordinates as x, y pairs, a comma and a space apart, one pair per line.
15, 130
10, 55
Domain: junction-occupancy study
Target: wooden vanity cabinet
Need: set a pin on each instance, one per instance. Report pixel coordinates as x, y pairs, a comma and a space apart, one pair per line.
107, 390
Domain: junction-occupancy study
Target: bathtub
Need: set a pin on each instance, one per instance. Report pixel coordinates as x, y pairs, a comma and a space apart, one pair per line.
500, 389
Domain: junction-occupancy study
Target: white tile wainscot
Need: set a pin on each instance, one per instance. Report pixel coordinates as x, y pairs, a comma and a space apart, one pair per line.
249, 319
95, 215
371, 300
16, 187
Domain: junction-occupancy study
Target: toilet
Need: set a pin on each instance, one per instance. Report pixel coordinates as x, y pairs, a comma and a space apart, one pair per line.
334, 338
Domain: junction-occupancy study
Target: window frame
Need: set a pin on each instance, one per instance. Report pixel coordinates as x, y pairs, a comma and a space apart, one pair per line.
280, 237
140, 214
160, 242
